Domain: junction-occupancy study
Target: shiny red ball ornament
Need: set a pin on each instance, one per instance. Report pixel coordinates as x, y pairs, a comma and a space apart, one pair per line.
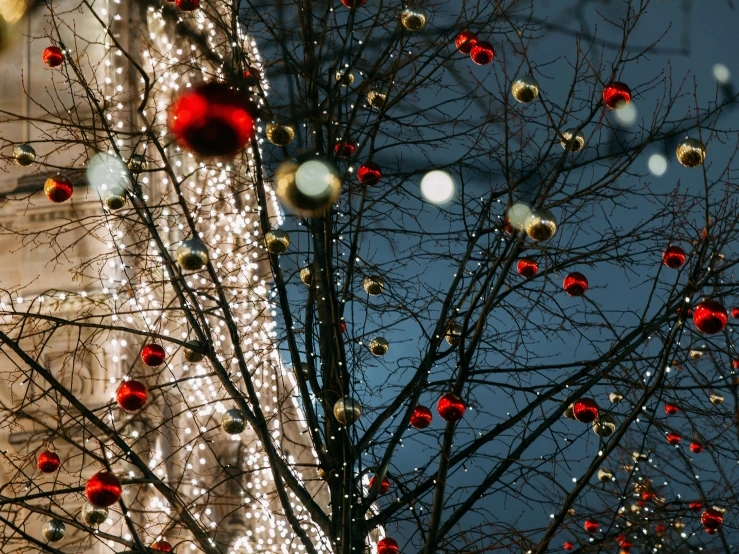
161, 546
660, 529
575, 284
384, 486
251, 75
369, 173
421, 417
53, 56
648, 496
671, 409
673, 438
735, 313
132, 395
465, 41
710, 317
591, 526
103, 489
585, 410
345, 149
58, 189
623, 542
187, 5
354, 3
616, 95
696, 448
568, 546
343, 326
673, 257
712, 520
387, 546
212, 119
527, 267
153, 355
48, 461
451, 407
696, 506
482, 52
735, 363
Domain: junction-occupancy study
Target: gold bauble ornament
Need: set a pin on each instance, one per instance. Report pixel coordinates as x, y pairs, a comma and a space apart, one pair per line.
691, 152
305, 275
344, 77
605, 475
308, 187
192, 254
379, 346
454, 334
24, 154
697, 351
569, 413
615, 398
193, 354
374, 285
277, 241
347, 410
635, 508
92, 515
716, 399
114, 198
541, 225
525, 89
413, 19
137, 163
679, 525
639, 457
604, 426
572, 140
377, 98
54, 530
233, 421
280, 134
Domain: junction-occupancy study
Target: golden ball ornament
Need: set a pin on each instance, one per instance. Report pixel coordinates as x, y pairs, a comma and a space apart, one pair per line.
691, 152
541, 225
114, 198
137, 163
305, 276
347, 410
92, 515
54, 530
344, 77
377, 98
24, 154
639, 456
716, 399
192, 254
233, 421
280, 134
379, 346
572, 140
697, 351
277, 240
525, 89
454, 334
604, 426
374, 285
569, 412
615, 397
605, 475
309, 186
193, 352
413, 19
679, 525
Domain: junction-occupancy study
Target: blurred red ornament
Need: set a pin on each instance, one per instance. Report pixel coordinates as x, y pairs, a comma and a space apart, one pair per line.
343, 326
212, 119
369, 173
132, 395
575, 284
451, 407
673, 257
623, 542
384, 486
421, 417
696, 447
527, 267
648, 496
58, 189
660, 529
591, 526
482, 52
465, 41
153, 355
712, 520
673, 438
696, 506
671, 409
585, 410
251, 75
568, 546
354, 3
387, 546
48, 461
53, 56
188, 5
103, 489
735, 363
616, 95
162, 546
345, 149
710, 317
735, 313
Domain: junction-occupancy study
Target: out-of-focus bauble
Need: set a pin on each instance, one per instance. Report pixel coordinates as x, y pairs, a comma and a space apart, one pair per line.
454, 334
153, 355
376, 97
24, 154
344, 77
137, 163
572, 140
567, 546
103, 489
280, 134
673, 257
421, 417
212, 119
187, 5
387, 546
54, 530
379, 346
569, 412
591, 526
193, 354
527, 267
465, 41
615, 397
277, 240
482, 52
712, 520
575, 284
48, 461
384, 486
374, 285
192, 254
604, 426
53, 56
413, 19
369, 173
451, 407
710, 317
525, 89
345, 149
695, 506
679, 525
58, 189
354, 3
305, 275
585, 410
605, 475
541, 225
347, 410
696, 447
233, 421
132, 396
716, 399
114, 198
673, 438
308, 187
691, 152
639, 457
697, 351
251, 76
671, 409
735, 313
161, 546
617, 95
92, 515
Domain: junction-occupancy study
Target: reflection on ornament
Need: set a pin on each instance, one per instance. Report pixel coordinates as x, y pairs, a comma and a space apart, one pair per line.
344, 77
48, 462
605, 475
482, 52
575, 284
92, 515
153, 355
192, 254
233, 421
604, 426
387, 546
369, 173
585, 410
617, 95
277, 241
187, 5
572, 140
54, 530
710, 317
137, 163
379, 346
103, 489
309, 187
465, 41
525, 89
53, 56
691, 152
24, 154
58, 189
454, 334
347, 410
132, 396
421, 417
413, 19
115, 198
280, 134
673, 257
527, 267
451, 407
193, 354
305, 275
541, 225
384, 486
374, 285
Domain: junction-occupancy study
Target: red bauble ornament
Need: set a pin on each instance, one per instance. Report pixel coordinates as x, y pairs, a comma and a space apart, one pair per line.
735, 313
451, 407
527, 267
58, 189
585, 410
354, 3
343, 326
673, 438
132, 395
387, 546
671, 409
616, 95
568, 546
696, 506
735, 363
623, 542
188, 5
153, 355
48, 461
103, 489
710, 317
591, 526
162, 546
251, 75
696, 448
345, 149
211, 119
648, 496
421, 417
673, 257
384, 486
660, 529
53, 56
369, 173
575, 284
482, 52
465, 41
712, 520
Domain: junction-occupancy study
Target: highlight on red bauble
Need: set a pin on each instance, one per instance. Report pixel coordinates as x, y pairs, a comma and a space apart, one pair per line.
591, 526
465, 41
585, 410
103, 489
58, 189
384, 486
617, 95
345, 149
387, 546
710, 317
48, 461
369, 173
527, 267
696, 506
212, 119
673, 257
673, 438
421, 417
53, 56
451, 407
575, 284
712, 520
482, 52
187, 5
132, 395
153, 355
161, 546
671, 409
696, 448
